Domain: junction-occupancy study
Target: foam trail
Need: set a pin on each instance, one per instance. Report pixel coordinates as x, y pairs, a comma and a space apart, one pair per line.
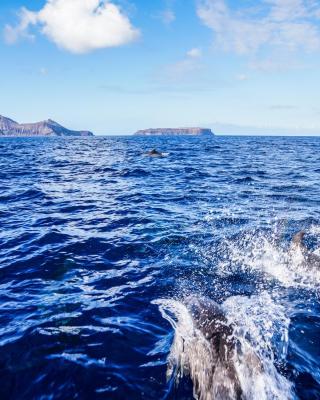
247, 369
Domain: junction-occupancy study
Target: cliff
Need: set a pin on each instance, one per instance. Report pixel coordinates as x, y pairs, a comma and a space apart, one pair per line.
8, 127
175, 132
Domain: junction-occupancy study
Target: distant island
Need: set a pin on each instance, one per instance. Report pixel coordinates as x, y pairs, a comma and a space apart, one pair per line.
175, 132
8, 127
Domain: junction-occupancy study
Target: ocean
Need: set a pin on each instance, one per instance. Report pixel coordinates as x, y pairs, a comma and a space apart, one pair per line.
101, 246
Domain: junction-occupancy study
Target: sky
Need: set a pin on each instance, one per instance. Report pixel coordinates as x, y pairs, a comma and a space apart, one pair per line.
116, 66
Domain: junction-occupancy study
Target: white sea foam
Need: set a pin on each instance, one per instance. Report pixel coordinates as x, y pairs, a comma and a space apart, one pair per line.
257, 252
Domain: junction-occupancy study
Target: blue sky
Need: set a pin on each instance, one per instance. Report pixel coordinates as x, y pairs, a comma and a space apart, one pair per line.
117, 66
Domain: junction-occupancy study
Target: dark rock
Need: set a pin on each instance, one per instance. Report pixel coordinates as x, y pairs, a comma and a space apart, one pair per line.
175, 132
8, 127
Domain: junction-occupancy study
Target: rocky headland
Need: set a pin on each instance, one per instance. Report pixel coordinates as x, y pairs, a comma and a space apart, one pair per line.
175, 132
8, 127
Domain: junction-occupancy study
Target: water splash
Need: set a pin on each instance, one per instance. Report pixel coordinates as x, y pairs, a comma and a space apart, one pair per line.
261, 252
248, 371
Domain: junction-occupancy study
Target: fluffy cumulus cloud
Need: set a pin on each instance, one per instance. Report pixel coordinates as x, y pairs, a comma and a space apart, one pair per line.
288, 24
78, 26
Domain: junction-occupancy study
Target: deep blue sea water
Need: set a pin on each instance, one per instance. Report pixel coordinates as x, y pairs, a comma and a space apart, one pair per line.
99, 243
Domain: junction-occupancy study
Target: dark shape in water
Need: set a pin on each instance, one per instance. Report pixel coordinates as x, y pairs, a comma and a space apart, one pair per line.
154, 153
310, 259
222, 377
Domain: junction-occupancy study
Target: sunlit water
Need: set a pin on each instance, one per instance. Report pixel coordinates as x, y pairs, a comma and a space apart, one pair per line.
100, 246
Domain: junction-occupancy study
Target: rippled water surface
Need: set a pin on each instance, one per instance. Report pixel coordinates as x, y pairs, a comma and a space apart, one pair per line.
100, 246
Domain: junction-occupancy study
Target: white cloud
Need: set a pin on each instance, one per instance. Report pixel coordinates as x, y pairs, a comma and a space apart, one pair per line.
167, 16
282, 107
43, 71
78, 26
288, 24
12, 34
276, 63
194, 53
182, 67
187, 65
242, 77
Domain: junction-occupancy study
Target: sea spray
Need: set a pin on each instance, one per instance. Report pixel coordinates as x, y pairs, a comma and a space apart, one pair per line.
253, 356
